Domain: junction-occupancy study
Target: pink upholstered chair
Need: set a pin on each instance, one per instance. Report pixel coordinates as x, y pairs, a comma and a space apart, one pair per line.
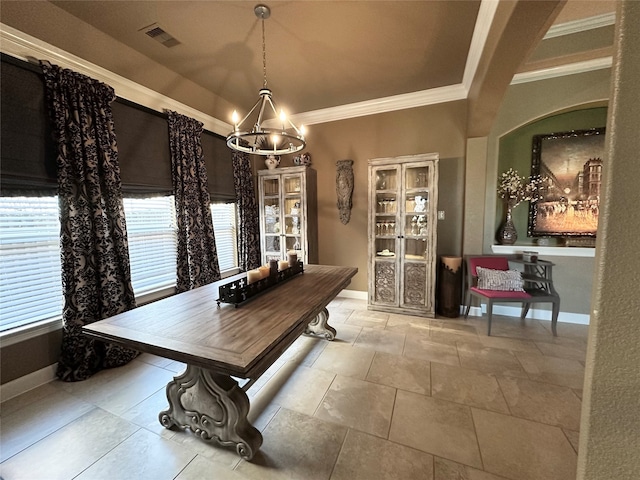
523, 297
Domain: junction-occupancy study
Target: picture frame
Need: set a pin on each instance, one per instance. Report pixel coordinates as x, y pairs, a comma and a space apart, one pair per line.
571, 165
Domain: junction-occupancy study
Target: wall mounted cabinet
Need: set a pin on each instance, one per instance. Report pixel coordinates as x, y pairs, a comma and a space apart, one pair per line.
288, 213
403, 200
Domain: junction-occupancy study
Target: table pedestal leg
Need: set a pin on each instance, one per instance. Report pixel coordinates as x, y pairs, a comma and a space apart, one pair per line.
214, 407
319, 326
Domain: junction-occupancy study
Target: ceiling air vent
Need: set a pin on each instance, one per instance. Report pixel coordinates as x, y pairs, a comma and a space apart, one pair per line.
156, 32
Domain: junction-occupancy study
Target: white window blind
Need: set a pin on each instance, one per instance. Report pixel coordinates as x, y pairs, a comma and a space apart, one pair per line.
151, 229
224, 227
30, 282
30, 278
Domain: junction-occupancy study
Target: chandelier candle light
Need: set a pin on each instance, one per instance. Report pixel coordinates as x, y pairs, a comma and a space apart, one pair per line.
260, 140
515, 189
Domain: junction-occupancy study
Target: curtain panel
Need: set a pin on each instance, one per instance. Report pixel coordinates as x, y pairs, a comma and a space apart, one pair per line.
197, 260
96, 278
248, 219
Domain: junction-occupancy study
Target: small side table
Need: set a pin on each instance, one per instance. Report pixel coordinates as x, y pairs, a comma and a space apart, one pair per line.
538, 282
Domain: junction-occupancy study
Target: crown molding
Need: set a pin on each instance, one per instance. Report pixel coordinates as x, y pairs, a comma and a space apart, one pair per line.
403, 101
577, 26
25, 47
480, 33
562, 70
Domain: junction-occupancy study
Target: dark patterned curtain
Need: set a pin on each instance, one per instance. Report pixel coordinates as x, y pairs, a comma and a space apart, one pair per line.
197, 255
96, 279
248, 220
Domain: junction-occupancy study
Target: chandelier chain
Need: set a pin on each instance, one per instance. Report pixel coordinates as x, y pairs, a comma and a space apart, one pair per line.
264, 56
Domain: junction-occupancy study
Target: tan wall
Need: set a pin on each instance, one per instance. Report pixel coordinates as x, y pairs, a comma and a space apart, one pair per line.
437, 128
610, 423
29, 356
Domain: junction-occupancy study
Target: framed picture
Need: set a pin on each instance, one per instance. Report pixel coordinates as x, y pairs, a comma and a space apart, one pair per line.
571, 163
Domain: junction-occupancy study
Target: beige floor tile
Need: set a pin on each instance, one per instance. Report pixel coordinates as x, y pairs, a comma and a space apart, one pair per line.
365, 457
8, 407
511, 344
201, 468
405, 373
490, 360
523, 450
354, 304
304, 351
297, 387
559, 371
366, 318
146, 413
421, 347
154, 360
470, 387
25, 426
295, 446
502, 326
542, 402
381, 340
453, 325
70, 450
361, 405
435, 426
453, 337
573, 437
345, 360
118, 389
143, 455
572, 352
572, 330
447, 470
408, 324
346, 333
338, 314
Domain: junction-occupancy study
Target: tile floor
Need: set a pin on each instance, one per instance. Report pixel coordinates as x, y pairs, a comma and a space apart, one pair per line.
393, 397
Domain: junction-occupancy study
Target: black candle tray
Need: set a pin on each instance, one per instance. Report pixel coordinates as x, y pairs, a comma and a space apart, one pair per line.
239, 291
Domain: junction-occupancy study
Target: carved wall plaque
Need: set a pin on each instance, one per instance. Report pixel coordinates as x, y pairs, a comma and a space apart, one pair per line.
344, 188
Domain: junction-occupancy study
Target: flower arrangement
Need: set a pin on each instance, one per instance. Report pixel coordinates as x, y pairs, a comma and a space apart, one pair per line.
516, 189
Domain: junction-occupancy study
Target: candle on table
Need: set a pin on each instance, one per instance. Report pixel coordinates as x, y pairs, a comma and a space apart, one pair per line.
264, 271
253, 276
282, 264
292, 258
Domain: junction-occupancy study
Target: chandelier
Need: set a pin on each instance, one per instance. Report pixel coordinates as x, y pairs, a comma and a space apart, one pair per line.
251, 136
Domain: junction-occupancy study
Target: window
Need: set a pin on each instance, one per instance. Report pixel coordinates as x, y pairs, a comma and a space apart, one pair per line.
30, 282
151, 229
30, 277
224, 226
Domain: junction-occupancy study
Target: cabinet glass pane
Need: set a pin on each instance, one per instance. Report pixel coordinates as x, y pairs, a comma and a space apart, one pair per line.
415, 248
385, 247
416, 177
386, 179
272, 244
292, 185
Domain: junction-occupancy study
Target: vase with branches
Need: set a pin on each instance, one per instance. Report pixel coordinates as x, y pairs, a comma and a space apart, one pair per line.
515, 189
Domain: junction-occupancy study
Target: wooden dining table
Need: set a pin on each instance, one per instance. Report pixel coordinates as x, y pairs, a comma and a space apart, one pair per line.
221, 343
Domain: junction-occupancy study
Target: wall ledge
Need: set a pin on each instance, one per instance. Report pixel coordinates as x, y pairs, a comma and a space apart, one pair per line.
545, 251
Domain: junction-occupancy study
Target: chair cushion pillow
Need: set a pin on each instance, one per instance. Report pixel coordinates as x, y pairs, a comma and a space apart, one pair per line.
503, 280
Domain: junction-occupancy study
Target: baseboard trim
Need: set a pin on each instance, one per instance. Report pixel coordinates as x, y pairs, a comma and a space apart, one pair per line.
356, 294
534, 313
28, 382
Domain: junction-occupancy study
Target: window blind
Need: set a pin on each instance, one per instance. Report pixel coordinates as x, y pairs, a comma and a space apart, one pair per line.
30, 279
224, 227
151, 229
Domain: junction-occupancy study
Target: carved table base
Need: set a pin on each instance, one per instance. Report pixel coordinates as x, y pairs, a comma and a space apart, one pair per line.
319, 326
214, 407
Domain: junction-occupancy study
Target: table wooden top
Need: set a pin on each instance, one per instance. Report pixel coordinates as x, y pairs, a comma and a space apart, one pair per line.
243, 341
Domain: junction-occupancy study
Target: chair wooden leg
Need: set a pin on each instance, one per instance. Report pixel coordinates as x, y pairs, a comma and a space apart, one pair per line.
490, 314
555, 310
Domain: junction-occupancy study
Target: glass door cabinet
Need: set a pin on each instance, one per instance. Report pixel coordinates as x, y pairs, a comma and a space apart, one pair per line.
287, 203
402, 233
